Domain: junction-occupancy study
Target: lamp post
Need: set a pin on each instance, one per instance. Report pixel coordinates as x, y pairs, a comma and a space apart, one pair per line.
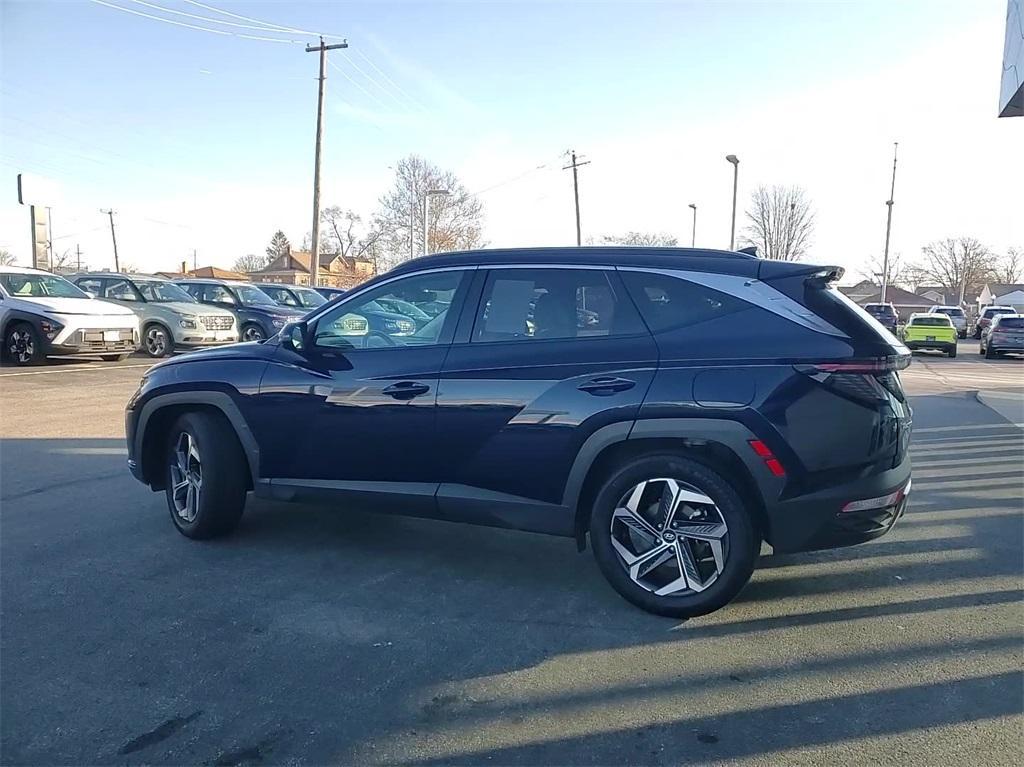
693, 237
426, 216
735, 182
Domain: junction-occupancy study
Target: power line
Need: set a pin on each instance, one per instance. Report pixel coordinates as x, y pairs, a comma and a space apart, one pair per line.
346, 75
191, 26
200, 18
385, 90
384, 75
266, 24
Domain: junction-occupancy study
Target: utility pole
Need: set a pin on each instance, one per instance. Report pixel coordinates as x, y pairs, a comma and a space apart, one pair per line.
195, 260
49, 227
888, 227
78, 258
314, 256
693, 237
576, 191
113, 236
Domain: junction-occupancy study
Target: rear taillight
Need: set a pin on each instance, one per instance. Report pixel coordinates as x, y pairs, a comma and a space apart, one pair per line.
880, 502
765, 454
869, 366
868, 380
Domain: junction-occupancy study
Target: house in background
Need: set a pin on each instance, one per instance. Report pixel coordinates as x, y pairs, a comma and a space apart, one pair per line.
906, 303
335, 270
206, 272
1004, 294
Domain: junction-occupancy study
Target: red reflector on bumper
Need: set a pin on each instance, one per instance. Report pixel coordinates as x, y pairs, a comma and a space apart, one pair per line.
775, 467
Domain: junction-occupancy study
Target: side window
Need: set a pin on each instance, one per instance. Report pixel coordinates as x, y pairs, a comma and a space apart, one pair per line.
218, 294
91, 285
667, 302
526, 304
196, 291
280, 295
120, 290
367, 322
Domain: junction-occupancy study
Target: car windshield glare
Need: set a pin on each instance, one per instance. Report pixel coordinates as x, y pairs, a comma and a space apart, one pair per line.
159, 291
40, 286
309, 298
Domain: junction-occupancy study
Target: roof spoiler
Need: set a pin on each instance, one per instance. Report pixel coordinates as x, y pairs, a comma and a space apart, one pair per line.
819, 276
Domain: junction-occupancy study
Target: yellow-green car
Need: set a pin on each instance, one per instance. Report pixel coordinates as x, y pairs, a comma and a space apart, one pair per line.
930, 331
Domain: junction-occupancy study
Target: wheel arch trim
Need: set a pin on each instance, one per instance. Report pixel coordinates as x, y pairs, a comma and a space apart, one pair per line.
219, 400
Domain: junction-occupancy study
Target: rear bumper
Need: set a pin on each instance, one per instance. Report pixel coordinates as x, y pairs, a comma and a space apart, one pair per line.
817, 521
942, 346
1006, 344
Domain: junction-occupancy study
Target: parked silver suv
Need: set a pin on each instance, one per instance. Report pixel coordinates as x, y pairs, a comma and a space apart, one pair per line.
169, 318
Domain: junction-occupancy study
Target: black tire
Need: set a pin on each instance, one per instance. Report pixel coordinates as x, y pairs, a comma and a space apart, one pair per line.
251, 332
224, 474
22, 346
115, 357
990, 353
951, 352
977, 334
743, 543
157, 341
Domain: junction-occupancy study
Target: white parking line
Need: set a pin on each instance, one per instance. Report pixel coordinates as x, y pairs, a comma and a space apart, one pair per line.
70, 370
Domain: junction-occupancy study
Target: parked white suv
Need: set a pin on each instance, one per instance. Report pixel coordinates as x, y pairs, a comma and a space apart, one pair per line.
43, 315
956, 314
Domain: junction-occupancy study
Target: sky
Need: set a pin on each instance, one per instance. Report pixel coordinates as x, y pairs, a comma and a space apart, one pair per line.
204, 141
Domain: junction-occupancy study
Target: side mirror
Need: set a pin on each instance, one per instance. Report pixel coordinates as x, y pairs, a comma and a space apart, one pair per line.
296, 336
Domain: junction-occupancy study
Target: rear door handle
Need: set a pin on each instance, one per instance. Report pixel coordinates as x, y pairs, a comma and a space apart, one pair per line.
406, 389
603, 386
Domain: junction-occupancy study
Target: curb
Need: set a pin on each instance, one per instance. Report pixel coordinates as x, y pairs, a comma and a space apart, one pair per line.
1008, 404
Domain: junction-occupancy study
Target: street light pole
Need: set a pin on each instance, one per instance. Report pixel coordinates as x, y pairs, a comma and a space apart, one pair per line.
693, 237
888, 227
113, 237
426, 217
735, 185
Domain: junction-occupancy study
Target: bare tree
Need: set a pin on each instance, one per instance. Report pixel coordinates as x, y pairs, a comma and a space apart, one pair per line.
960, 265
456, 219
646, 239
1010, 267
6, 258
780, 222
250, 263
872, 270
346, 235
279, 246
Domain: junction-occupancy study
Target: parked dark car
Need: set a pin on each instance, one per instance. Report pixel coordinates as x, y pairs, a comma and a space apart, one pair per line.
717, 400
258, 315
1005, 334
293, 296
885, 314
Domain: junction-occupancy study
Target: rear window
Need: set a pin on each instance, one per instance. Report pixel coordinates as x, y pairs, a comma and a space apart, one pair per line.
951, 311
993, 312
880, 310
937, 321
667, 302
1010, 322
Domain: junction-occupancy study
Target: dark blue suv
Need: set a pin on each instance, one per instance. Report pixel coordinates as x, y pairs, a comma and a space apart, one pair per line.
258, 315
677, 406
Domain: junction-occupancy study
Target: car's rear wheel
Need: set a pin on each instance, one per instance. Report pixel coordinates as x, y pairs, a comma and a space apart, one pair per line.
951, 352
206, 476
158, 341
673, 536
21, 344
990, 353
252, 332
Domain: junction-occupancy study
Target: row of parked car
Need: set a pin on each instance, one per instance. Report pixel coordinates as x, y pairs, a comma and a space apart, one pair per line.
1000, 329
111, 315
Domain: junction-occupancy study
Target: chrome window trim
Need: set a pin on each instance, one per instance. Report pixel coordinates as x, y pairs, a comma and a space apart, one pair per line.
752, 291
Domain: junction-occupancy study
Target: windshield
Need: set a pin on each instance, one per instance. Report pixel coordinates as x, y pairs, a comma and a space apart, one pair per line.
39, 286
939, 320
161, 292
250, 296
951, 311
309, 298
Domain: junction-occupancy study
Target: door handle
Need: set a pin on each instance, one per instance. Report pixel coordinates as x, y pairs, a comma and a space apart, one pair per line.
406, 389
603, 386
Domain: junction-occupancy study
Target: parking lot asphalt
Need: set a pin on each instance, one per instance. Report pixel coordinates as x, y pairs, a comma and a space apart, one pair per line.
317, 636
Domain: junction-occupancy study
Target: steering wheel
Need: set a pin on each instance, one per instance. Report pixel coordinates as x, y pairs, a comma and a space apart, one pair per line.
378, 334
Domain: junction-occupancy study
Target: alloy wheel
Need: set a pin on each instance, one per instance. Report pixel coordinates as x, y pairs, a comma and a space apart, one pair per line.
156, 342
252, 333
670, 537
186, 478
21, 346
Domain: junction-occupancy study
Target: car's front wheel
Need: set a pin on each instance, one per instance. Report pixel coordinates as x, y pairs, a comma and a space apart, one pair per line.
158, 341
252, 332
673, 536
206, 476
21, 345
